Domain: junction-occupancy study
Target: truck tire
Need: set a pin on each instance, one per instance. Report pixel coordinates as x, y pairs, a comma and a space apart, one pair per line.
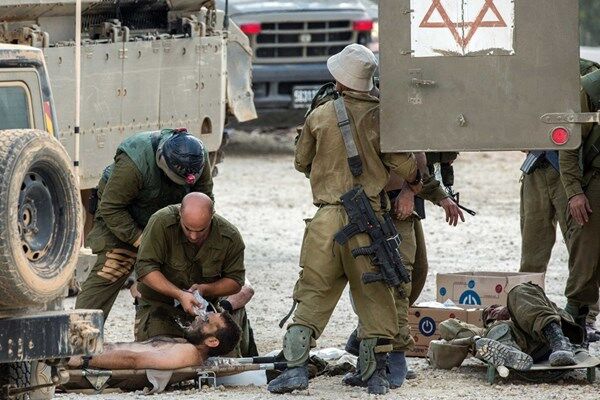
40, 218
16, 375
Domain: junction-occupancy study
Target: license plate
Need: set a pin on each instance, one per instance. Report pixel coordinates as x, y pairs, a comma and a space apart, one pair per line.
303, 96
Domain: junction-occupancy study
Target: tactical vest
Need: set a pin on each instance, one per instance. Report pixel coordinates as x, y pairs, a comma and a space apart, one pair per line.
157, 190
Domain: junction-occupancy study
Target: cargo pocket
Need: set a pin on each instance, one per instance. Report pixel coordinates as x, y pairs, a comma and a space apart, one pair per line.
118, 263
303, 250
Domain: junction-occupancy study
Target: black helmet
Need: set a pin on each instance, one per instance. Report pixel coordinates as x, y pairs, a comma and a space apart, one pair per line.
184, 155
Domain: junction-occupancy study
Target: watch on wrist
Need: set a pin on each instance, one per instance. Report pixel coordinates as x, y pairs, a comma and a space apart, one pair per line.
226, 305
418, 179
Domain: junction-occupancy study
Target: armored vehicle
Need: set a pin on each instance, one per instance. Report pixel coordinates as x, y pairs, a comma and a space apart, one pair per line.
291, 41
40, 219
466, 75
146, 64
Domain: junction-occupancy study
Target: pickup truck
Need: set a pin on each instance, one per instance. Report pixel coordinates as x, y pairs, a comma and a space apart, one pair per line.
291, 41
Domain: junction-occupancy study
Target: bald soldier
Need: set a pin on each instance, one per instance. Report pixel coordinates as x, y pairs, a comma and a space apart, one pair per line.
324, 154
151, 170
185, 248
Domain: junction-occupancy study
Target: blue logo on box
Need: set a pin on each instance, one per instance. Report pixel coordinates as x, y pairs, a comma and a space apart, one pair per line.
443, 291
427, 326
470, 297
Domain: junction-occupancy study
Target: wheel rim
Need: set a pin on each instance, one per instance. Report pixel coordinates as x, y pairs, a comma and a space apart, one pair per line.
36, 219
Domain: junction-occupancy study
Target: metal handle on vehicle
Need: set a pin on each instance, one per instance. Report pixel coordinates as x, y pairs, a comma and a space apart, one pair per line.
422, 82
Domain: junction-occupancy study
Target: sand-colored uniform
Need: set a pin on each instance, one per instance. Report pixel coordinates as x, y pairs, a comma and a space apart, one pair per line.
543, 204
165, 248
530, 311
134, 189
326, 265
414, 257
583, 241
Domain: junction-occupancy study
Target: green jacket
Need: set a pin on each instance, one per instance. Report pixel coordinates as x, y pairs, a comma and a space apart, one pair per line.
134, 188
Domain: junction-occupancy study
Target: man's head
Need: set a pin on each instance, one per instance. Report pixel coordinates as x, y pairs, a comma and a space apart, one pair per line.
353, 67
218, 333
181, 157
195, 217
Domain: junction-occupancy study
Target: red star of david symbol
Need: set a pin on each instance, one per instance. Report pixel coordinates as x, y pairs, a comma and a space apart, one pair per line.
463, 39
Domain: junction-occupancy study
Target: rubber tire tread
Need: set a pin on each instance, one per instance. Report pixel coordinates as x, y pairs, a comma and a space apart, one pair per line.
17, 374
15, 292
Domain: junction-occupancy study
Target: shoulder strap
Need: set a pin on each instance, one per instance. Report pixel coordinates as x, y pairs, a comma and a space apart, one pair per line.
354, 161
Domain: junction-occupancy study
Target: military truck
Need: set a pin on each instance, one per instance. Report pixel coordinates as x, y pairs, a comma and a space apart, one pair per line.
146, 64
466, 75
291, 41
40, 225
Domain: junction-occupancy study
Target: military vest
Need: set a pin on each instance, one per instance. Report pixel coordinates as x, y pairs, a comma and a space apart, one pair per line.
158, 190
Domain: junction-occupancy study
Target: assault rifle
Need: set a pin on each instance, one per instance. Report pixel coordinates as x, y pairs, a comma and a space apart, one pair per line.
385, 240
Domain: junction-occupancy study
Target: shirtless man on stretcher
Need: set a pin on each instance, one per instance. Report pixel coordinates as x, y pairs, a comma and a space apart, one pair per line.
214, 335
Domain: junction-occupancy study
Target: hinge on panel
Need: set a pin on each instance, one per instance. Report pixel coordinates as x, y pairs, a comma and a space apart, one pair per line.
571, 118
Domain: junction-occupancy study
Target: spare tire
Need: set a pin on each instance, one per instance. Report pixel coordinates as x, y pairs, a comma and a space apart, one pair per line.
40, 218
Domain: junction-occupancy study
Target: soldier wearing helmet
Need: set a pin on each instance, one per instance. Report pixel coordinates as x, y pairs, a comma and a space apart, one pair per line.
151, 170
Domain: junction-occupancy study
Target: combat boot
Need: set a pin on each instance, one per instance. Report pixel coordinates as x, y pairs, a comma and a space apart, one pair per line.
593, 334
353, 343
295, 378
296, 349
378, 382
562, 353
397, 369
499, 354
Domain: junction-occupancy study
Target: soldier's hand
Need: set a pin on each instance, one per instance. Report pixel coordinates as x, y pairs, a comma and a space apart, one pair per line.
453, 212
579, 206
135, 293
404, 205
188, 302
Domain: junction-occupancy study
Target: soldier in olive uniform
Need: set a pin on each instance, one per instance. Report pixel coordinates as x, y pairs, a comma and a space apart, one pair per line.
188, 247
327, 267
580, 174
406, 220
530, 328
151, 170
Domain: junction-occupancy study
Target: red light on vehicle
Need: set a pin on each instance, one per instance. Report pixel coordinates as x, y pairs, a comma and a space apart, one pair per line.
251, 28
362, 25
560, 135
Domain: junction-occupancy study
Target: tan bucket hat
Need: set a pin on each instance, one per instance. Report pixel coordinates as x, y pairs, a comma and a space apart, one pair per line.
354, 67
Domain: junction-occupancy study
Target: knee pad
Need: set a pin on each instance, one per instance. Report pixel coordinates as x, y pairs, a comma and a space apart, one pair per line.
296, 345
367, 362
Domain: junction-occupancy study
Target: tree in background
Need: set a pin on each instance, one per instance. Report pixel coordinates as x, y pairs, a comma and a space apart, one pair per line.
589, 22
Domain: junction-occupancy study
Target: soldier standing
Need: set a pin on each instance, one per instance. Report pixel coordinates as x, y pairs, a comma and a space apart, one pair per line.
580, 174
408, 225
324, 153
151, 170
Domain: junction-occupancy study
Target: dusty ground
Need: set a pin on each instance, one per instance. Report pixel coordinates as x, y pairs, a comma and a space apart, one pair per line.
261, 193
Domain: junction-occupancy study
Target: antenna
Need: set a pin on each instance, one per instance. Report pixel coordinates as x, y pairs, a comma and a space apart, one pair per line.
226, 20
77, 87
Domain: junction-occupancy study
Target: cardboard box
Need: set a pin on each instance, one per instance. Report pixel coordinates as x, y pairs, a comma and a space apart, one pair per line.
481, 288
424, 323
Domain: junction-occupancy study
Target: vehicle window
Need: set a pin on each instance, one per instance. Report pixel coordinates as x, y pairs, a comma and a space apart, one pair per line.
14, 108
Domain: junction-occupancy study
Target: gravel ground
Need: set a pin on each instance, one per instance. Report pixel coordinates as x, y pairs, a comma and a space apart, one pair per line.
259, 191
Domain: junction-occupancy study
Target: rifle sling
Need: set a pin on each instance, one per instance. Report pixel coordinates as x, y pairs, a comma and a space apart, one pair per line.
354, 161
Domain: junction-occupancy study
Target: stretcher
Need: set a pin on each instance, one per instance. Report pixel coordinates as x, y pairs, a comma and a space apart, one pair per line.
95, 381
583, 358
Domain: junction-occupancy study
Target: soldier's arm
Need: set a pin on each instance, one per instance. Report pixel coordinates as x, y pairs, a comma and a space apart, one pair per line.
570, 172
121, 190
306, 148
205, 182
402, 164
